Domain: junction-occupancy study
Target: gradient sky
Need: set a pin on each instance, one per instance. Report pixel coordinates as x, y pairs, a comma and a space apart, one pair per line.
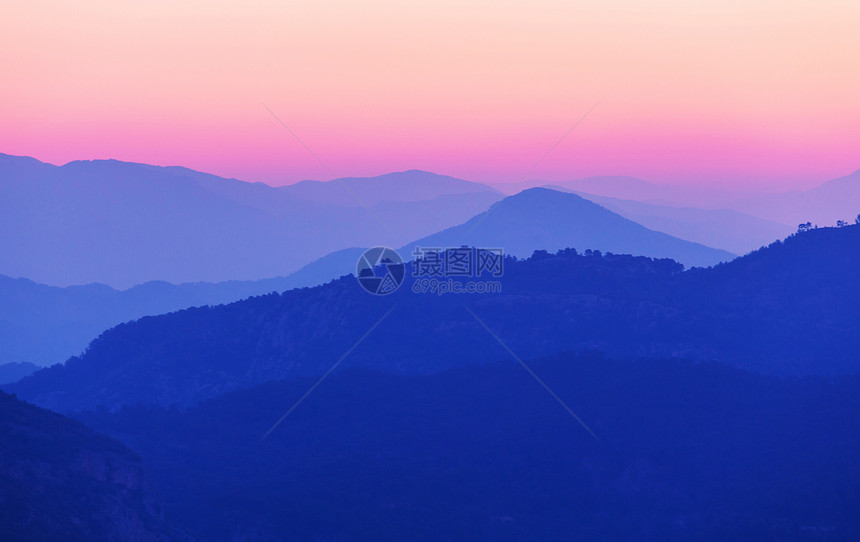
735, 93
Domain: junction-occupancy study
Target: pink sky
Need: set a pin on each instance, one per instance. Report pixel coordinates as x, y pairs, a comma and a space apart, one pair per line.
735, 93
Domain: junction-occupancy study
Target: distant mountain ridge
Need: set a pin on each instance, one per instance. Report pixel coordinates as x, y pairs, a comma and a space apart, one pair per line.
45, 325
725, 229
540, 218
824, 204
124, 224
412, 185
837, 199
632, 188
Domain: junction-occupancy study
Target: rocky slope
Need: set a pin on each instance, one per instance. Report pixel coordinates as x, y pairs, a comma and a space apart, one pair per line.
60, 480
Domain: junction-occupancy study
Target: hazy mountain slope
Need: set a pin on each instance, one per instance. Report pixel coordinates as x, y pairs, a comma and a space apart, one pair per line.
523, 225
123, 224
408, 217
719, 228
256, 195
329, 267
838, 199
12, 372
545, 219
62, 481
631, 188
48, 324
785, 309
413, 185
627, 188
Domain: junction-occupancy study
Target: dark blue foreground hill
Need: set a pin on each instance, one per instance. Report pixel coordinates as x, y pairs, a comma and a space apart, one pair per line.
685, 452
786, 309
62, 481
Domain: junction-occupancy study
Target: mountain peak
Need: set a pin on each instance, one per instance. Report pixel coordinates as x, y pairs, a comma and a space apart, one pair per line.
546, 193
546, 219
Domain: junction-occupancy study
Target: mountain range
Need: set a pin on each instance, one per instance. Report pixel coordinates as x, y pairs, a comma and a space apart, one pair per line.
785, 309
45, 325
631, 188
543, 219
837, 199
823, 204
603, 393
413, 185
124, 224
727, 229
